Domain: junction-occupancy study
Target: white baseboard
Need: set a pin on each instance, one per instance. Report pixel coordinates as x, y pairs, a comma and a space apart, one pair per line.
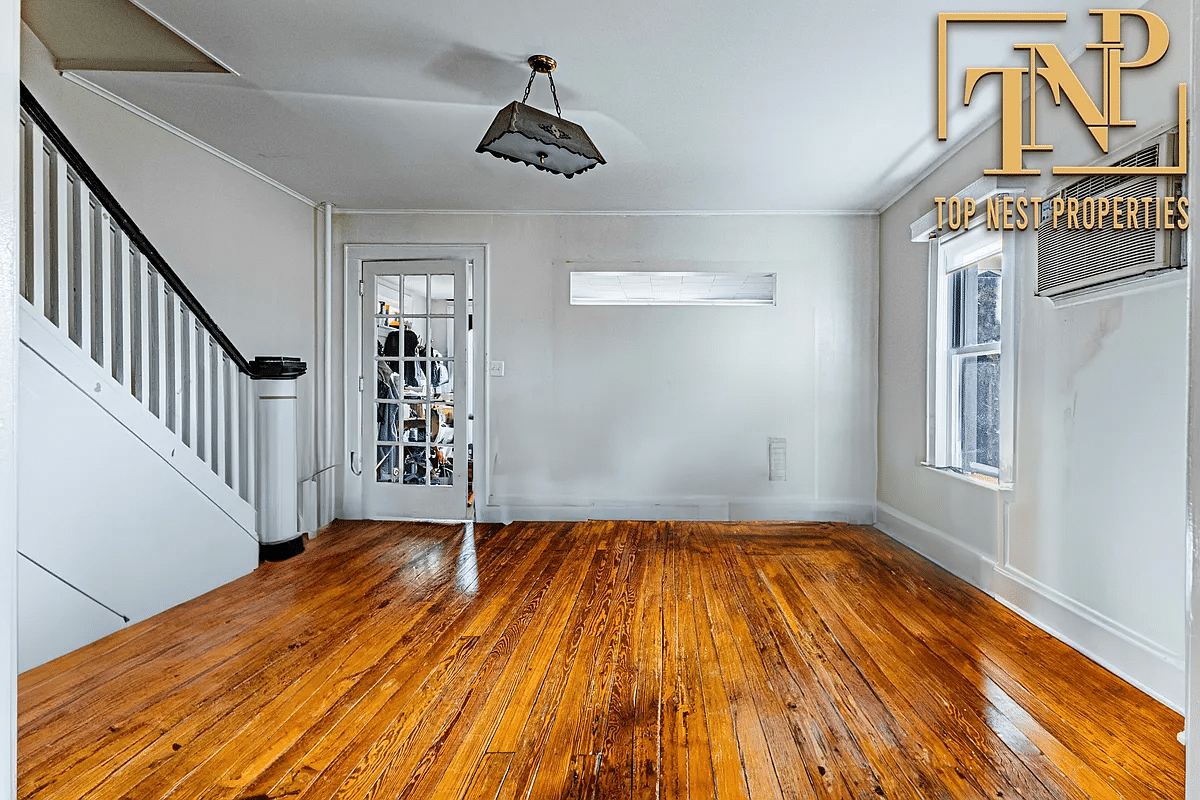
1126, 653
1156, 671
963, 561
853, 512
509, 508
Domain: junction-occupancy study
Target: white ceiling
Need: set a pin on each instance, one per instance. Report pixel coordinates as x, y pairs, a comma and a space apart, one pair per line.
701, 106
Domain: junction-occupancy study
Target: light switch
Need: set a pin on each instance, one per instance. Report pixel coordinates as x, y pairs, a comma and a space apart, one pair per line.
496, 369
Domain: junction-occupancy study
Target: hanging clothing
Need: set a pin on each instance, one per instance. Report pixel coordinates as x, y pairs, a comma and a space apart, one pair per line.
411, 342
387, 419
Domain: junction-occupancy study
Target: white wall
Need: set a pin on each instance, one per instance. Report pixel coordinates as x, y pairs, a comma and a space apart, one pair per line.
1089, 542
244, 248
9, 179
666, 411
121, 529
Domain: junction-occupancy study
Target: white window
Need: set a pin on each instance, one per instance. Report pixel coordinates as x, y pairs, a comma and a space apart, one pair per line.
971, 354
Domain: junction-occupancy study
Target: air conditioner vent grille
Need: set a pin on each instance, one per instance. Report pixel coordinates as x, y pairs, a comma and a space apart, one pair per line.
1102, 184
1108, 251
1072, 258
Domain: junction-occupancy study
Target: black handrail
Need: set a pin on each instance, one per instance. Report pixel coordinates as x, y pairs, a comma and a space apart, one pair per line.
52, 132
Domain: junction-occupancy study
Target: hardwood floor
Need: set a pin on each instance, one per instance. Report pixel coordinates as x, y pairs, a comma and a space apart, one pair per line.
599, 659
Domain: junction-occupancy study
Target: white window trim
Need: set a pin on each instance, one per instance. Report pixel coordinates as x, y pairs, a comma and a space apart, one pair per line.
940, 443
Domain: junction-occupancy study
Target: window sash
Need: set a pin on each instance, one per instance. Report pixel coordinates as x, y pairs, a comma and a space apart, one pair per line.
955, 411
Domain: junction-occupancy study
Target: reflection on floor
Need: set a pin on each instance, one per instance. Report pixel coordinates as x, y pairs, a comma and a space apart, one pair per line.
599, 659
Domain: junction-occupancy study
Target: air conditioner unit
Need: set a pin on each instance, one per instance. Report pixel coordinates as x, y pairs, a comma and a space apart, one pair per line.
1074, 260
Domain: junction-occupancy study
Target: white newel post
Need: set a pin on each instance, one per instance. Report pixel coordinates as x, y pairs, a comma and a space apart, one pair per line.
275, 380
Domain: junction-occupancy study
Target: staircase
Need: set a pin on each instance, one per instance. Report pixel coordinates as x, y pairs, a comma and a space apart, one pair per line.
137, 485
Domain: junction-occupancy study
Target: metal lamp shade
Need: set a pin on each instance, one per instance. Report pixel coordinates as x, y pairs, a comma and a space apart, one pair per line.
531, 136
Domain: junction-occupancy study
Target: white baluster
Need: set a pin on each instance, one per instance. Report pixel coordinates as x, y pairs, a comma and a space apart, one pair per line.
186, 378
160, 339
104, 328
124, 267
83, 204
234, 423
26, 217
63, 189
170, 325
36, 221
203, 403
249, 441
219, 443
145, 286
182, 319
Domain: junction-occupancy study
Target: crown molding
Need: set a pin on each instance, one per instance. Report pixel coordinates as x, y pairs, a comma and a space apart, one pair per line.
630, 213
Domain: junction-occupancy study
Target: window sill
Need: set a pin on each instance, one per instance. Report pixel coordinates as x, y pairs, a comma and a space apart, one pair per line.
979, 479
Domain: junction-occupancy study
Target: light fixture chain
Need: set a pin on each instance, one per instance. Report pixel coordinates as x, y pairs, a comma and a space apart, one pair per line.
554, 93
528, 86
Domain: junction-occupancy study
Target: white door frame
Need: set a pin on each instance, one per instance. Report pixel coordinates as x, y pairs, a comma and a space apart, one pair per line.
10, 68
391, 498
1191, 734
353, 472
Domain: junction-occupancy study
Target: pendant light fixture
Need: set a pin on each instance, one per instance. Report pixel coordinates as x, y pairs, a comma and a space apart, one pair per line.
531, 136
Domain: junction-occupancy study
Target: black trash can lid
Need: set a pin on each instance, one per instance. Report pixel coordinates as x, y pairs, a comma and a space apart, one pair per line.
277, 368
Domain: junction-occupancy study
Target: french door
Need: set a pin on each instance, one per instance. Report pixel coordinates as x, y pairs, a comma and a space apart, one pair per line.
416, 385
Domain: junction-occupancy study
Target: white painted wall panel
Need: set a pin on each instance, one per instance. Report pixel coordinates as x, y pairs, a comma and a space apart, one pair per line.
639, 411
1102, 519
54, 618
107, 514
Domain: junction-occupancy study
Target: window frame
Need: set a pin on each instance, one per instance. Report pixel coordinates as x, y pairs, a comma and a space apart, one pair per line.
949, 253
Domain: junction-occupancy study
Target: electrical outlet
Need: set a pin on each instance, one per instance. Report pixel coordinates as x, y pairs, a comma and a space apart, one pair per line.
776, 459
496, 369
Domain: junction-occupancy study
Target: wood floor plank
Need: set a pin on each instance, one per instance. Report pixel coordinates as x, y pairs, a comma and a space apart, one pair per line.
647, 660
178, 702
981, 756
547, 661
761, 762
1001, 713
676, 692
485, 783
567, 759
535, 742
846, 714
399, 672
942, 775
58, 683
351, 771
822, 758
1132, 767
720, 713
612, 731
179, 671
478, 732
418, 764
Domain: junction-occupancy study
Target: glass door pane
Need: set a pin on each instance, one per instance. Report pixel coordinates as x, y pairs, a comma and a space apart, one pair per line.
416, 334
